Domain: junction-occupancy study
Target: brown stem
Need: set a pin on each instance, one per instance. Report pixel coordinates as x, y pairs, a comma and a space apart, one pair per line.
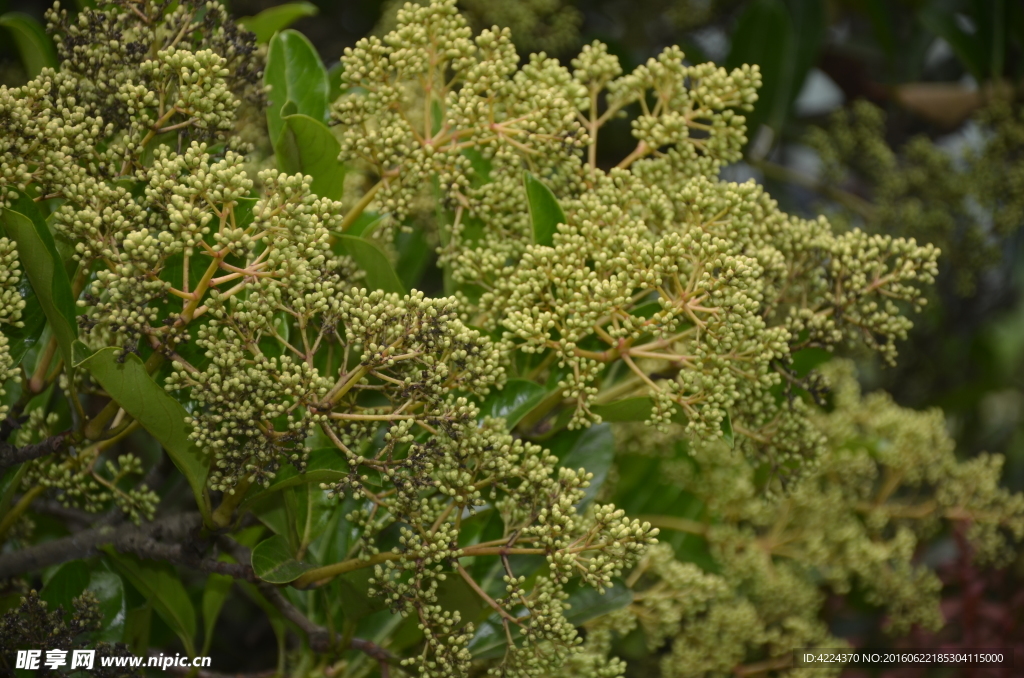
11, 455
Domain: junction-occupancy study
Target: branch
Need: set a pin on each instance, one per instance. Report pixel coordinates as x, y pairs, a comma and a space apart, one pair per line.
85, 543
320, 639
11, 455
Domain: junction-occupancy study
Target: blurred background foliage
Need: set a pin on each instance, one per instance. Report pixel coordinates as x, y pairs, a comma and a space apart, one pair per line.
899, 116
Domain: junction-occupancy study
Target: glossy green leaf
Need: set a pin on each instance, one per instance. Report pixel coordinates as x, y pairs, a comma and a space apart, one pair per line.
21, 339
128, 383
66, 584
371, 258
273, 562
297, 79
545, 212
306, 146
161, 585
592, 449
513, 401
274, 19
34, 46
109, 590
216, 591
41, 263
587, 603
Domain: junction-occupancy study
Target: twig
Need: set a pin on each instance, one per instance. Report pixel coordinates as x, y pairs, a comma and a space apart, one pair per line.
320, 639
85, 543
11, 455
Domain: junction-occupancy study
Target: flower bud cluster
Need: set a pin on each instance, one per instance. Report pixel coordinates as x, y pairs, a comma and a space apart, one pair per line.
889, 481
11, 305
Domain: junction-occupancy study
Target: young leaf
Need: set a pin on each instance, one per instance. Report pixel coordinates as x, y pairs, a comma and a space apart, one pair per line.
513, 401
273, 562
34, 45
126, 380
545, 211
159, 583
306, 146
371, 258
296, 77
274, 19
44, 269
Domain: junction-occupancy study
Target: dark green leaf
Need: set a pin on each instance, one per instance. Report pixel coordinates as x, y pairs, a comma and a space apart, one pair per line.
273, 562
138, 622
21, 339
809, 29
216, 591
243, 211
34, 45
545, 212
481, 166
43, 266
354, 590
324, 465
970, 49
513, 401
9, 482
334, 81
274, 19
807, 359
630, 409
159, 583
109, 590
587, 603
296, 77
880, 18
306, 146
128, 383
413, 256
67, 583
592, 449
371, 258
763, 36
